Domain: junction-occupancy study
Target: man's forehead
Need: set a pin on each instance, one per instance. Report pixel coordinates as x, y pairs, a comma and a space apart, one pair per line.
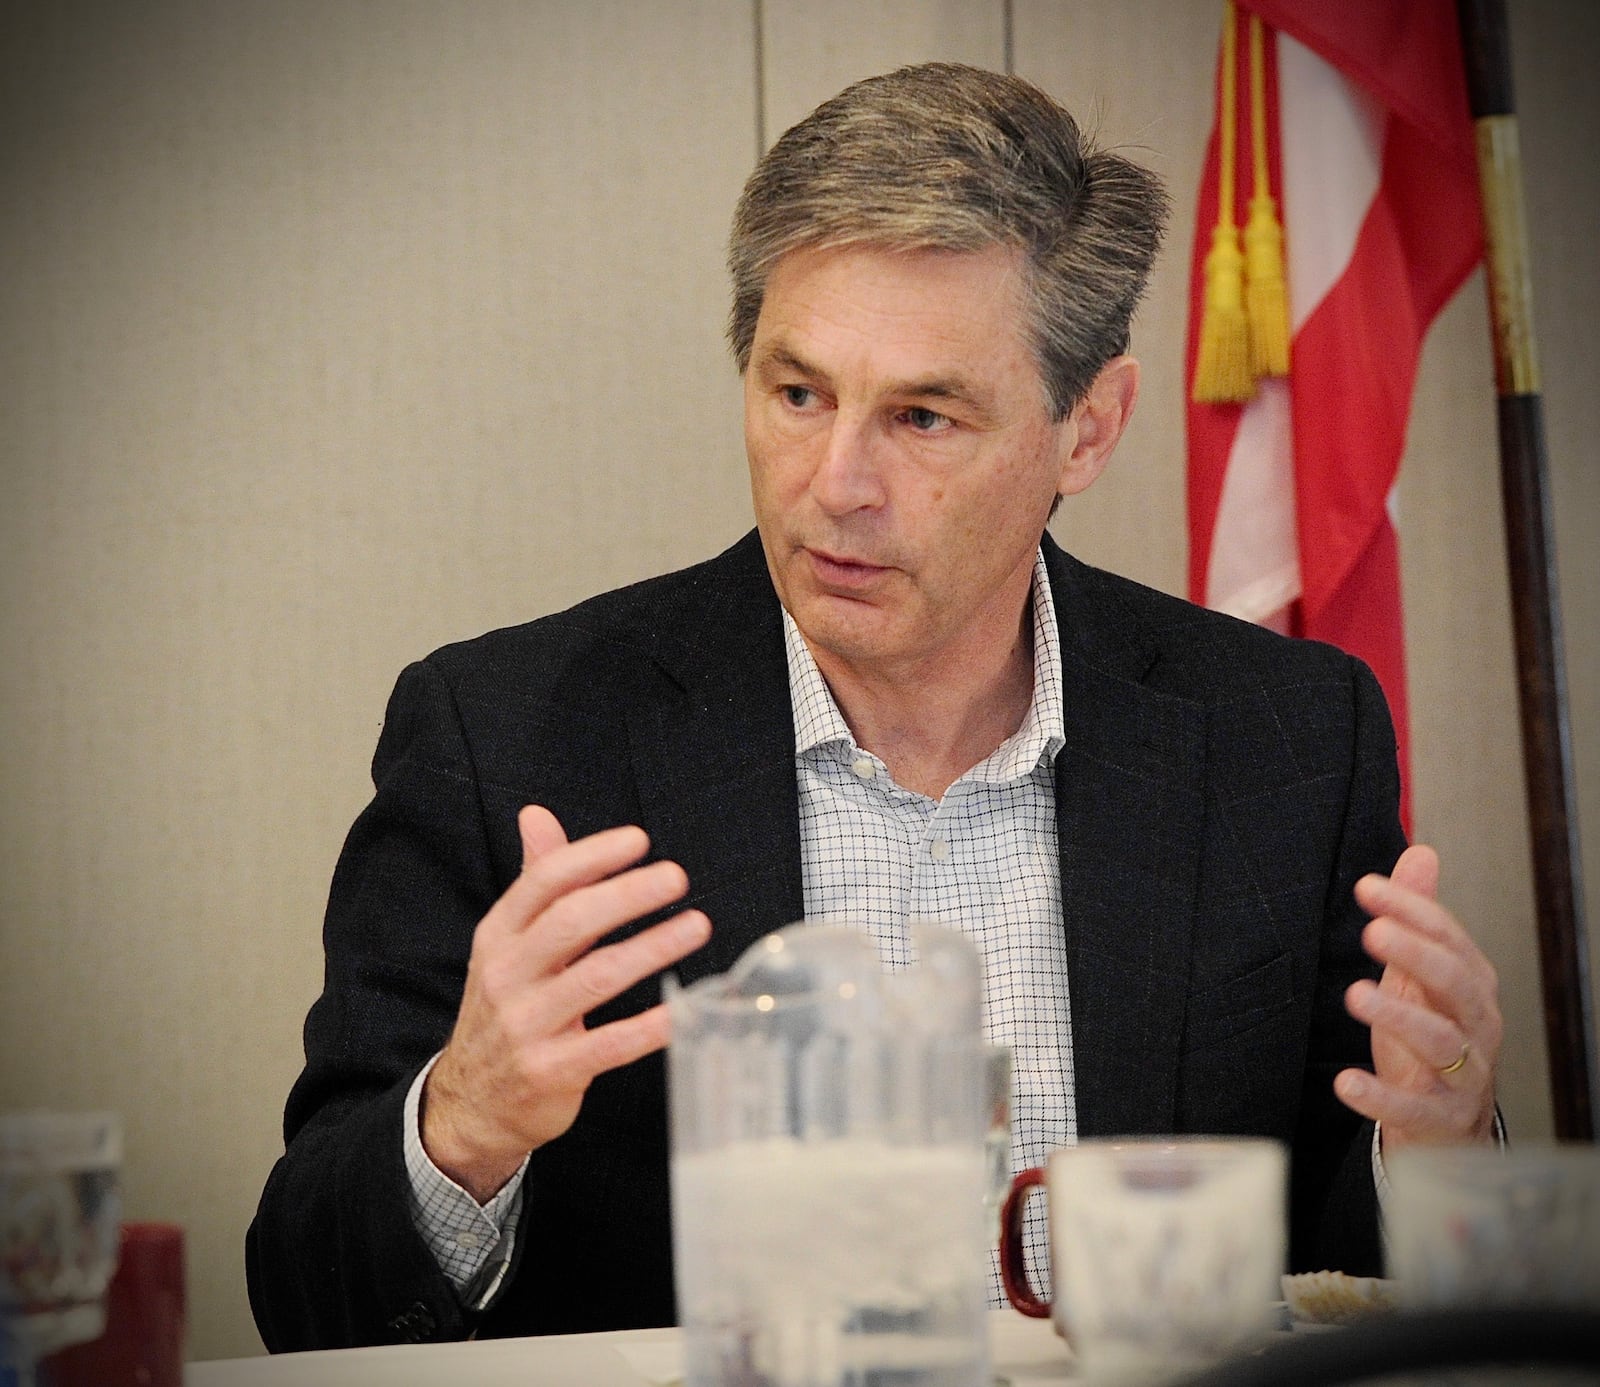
924, 286
1005, 262
929, 318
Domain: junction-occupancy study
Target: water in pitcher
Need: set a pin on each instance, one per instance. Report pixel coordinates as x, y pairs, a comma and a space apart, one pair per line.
847, 1263
828, 1170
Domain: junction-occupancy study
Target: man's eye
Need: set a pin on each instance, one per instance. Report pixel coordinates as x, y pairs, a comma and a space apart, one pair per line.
926, 420
797, 396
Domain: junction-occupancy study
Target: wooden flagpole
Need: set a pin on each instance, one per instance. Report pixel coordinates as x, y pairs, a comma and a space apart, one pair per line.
1535, 602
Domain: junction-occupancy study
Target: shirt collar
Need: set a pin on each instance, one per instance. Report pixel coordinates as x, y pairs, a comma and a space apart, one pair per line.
818, 722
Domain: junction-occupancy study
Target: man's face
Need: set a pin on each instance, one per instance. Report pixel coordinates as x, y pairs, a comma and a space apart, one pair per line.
903, 454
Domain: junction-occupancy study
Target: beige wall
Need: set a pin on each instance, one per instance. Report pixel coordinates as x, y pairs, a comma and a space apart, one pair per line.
334, 329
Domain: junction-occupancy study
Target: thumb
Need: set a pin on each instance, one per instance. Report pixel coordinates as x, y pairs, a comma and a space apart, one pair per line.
541, 832
1418, 870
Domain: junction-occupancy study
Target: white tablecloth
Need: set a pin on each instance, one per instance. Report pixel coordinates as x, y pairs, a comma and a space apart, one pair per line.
1024, 1352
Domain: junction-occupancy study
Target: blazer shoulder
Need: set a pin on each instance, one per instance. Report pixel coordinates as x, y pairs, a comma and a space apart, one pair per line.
668, 623
1185, 648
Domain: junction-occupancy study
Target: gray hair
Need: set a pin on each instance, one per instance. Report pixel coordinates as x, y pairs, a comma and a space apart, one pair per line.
944, 156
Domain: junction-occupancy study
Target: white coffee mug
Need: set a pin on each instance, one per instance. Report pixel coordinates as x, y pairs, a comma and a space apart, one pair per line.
1165, 1253
1478, 1226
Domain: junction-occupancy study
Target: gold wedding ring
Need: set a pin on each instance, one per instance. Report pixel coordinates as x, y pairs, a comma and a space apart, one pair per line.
1461, 1059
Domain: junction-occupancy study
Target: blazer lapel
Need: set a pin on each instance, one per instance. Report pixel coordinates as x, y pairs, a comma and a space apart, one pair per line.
715, 767
1130, 806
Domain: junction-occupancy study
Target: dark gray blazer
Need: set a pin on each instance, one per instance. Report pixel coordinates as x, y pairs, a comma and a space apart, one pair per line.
1219, 792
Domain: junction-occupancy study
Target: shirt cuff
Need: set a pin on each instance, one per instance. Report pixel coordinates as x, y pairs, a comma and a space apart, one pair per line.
1381, 1178
471, 1242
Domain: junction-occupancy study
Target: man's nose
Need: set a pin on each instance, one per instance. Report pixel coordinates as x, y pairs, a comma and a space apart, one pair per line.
849, 474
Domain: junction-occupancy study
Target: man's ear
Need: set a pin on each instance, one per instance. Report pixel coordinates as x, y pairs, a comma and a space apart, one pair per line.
1096, 423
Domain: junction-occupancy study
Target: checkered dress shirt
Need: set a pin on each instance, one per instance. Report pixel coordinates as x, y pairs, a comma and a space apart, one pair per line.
983, 859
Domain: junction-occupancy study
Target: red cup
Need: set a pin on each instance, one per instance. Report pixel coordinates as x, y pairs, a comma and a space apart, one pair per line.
143, 1342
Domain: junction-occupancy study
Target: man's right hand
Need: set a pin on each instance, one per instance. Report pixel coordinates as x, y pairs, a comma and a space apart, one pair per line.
520, 1057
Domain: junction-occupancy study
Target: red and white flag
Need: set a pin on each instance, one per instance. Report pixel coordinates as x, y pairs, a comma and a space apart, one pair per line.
1367, 143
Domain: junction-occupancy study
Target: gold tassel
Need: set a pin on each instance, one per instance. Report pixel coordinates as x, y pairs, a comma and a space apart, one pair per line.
1266, 292
1222, 364
1222, 368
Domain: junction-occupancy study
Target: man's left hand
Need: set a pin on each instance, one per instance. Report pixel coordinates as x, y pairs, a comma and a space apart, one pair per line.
1434, 1014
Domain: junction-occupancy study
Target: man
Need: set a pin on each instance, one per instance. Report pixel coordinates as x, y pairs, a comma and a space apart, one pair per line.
1163, 827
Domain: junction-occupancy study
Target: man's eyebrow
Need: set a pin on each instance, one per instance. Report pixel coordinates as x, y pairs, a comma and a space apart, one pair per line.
941, 388
781, 358
955, 387
978, 404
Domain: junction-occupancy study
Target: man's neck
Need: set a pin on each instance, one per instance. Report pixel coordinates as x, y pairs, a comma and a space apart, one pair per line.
932, 721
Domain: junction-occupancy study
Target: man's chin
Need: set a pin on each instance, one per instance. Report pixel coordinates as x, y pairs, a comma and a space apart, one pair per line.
851, 629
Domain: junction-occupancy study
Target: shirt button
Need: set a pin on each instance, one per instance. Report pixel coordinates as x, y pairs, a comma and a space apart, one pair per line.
469, 1240
863, 767
939, 849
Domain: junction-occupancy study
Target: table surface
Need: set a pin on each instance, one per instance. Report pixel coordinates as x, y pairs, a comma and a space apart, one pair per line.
1024, 1353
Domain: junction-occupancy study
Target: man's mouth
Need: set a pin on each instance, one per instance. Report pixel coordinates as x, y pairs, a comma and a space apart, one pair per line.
842, 571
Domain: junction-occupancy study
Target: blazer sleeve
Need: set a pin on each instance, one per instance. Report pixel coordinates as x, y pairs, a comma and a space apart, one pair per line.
1334, 1208
332, 1257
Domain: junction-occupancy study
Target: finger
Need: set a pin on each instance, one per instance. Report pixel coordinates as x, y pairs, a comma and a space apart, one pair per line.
567, 1063
1461, 984
1430, 1037
1358, 1090
1418, 870
1396, 907
563, 868
604, 974
622, 1042
1380, 895
541, 832
573, 925
1443, 1113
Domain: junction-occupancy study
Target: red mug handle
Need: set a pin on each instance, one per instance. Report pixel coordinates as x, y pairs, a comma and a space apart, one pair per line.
1013, 1269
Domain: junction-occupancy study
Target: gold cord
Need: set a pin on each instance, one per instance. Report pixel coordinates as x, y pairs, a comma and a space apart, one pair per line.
1222, 366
